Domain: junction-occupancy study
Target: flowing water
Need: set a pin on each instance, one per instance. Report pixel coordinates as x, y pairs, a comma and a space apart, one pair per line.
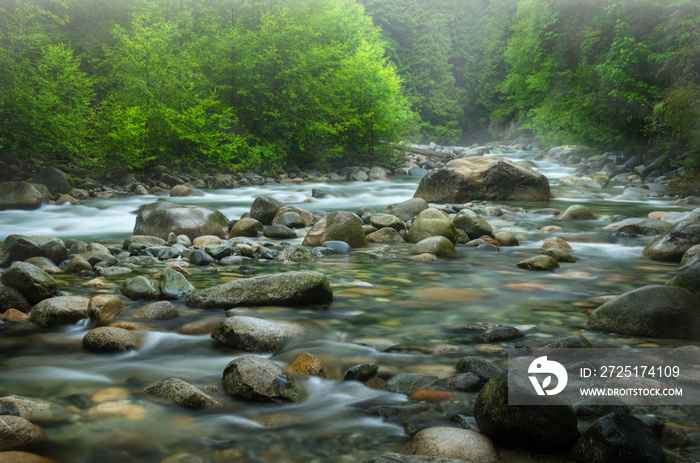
410, 305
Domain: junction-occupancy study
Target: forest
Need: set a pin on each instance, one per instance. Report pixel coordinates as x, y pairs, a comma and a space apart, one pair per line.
231, 84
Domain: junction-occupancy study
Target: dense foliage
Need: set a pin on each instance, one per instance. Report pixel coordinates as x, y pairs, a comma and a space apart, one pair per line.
263, 84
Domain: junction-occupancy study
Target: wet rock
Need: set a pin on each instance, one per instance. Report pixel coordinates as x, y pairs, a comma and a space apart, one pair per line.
11, 298
464, 382
16, 432
385, 235
109, 339
542, 263
431, 222
599, 406
407, 210
296, 253
20, 248
472, 223
408, 383
114, 409
36, 410
483, 178
502, 333
454, 443
436, 245
308, 218
253, 334
174, 285
362, 372
560, 255
672, 245
55, 250
62, 310
264, 209
692, 254
45, 264
138, 288
199, 258
14, 316
308, 364
78, 264
183, 394
144, 240
204, 241
103, 308
15, 456
338, 247
289, 288
506, 239
95, 257
577, 212
575, 341
290, 219
483, 369
656, 311
21, 195
618, 437
556, 242
337, 226
259, 379
550, 428
688, 278
280, 232
163, 217
425, 257
34, 284
181, 190
318, 193
246, 227
387, 220
161, 310
639, 226
383, 252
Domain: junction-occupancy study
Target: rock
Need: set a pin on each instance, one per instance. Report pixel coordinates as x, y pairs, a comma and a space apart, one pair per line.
14, 316
55, 250
200, 258
16, 432
296, 253
145, 240
163, 217
183, 394
431, 222
308, 364
108, 339
103, 308
318, 193
454, 443
483, 369
472, 224
114, 409
502, 333
219, 251
21, 195
688, 278
259, 379
437, 245
407, 210
138, 288
483, 178
556, 242
180, 190
383, 252
401, 458
692, 254
289, 219
20, 248
95, 257
618, 437
288, 288
464, 382
223, 181
337, 226
639, 226
35, 410
542, 262
293, 222
656, 311
264, 209
417, 172
387, 220
362, 372
204, 241
45, 264
408, 383
280, 232
672, 245
560, 255
378, 173
599, 406
569, 153
11, 298
549, 428
575, 341
358, 176
246, 227
425, 257
15, 456
62, 310
174, 285
34, 284
338, 247
577, 212
78, 264
253, 334
161, 310
385, 235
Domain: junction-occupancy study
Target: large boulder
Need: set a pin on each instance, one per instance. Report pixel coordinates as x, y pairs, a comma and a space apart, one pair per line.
550, 428
253, 334
162, 217
62, 310
454, 443
688, 278
673, 244
337, 226
19, 247
34, 283
21, 195
483, 178
407, 210
53, 179
431, 222
656, 311
264, 209
289, 288
259, 379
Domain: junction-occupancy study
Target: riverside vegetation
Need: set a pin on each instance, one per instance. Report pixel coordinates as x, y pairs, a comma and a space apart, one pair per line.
311, 335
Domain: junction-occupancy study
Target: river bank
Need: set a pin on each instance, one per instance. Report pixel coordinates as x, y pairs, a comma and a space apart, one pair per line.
409, 317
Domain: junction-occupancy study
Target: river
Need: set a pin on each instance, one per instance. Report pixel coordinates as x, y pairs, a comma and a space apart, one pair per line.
414, 305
